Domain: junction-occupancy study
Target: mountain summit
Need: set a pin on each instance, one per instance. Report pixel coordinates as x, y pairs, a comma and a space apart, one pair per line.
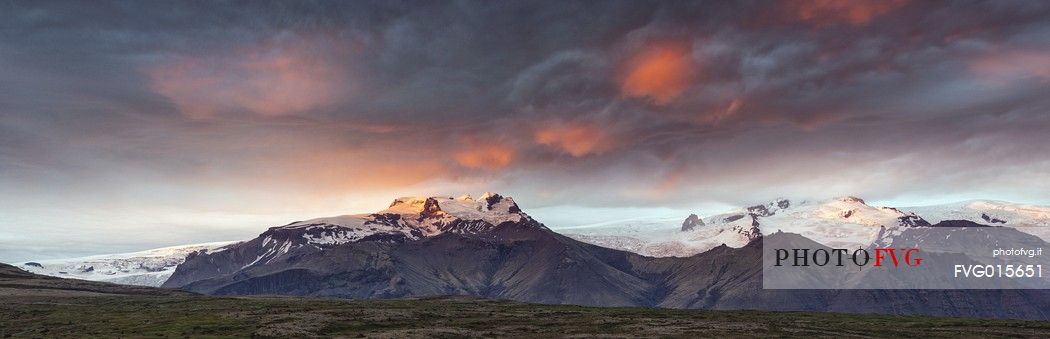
409, 217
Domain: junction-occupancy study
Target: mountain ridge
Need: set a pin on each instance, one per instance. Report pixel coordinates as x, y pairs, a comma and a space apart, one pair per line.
847, 222
388, 223
524, 260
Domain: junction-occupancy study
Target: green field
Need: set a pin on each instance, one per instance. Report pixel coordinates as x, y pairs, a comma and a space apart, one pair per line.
200, 316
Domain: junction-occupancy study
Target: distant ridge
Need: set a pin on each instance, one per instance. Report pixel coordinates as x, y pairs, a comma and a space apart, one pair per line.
16, 282
847, 222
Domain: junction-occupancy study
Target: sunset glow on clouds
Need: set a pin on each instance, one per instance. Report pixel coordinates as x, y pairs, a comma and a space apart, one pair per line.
1014, 65
661, 74
853, 12
269, 112
285, 76
485, 156
575, 139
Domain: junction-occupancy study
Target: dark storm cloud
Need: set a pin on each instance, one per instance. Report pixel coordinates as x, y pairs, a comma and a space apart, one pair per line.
222, 106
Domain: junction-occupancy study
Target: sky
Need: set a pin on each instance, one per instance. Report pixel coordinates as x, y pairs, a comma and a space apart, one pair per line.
138, 124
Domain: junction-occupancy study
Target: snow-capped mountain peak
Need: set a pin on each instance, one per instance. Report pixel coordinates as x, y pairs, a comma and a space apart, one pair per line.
856, 211
406, 217
491, 207
843, 221
769, 208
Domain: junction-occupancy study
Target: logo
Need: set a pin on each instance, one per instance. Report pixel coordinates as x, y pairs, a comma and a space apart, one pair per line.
805, 257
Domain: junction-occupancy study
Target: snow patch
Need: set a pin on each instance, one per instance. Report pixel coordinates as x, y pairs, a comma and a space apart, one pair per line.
145, 268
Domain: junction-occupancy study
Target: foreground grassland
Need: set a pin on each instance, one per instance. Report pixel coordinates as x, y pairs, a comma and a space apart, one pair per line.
199, 316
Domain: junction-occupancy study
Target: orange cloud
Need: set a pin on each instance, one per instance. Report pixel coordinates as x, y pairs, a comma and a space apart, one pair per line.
853, 12
283, 77
575, 140
487, 156
661, 74
1013, 65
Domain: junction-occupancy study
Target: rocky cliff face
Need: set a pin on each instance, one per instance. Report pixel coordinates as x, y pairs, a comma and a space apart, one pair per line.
691, 222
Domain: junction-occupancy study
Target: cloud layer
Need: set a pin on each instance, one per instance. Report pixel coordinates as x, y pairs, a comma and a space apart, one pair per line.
276, 110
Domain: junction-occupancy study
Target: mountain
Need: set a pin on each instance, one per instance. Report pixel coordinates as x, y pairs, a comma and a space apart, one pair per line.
431, 246
420, 246
145, 268
847, 222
